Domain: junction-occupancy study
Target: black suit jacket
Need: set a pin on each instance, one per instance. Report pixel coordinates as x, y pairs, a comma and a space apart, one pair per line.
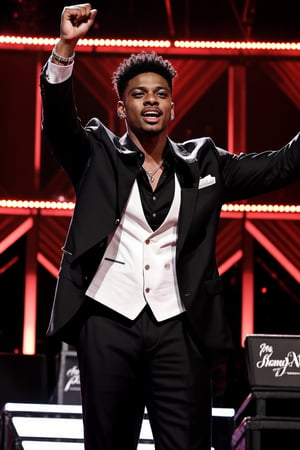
102, 168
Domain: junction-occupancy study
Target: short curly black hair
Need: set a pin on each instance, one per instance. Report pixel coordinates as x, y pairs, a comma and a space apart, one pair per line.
141, 63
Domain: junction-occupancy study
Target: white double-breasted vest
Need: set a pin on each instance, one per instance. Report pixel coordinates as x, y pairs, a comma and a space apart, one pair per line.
138, 266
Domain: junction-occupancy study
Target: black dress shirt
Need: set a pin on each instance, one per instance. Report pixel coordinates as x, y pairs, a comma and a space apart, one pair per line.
156, 204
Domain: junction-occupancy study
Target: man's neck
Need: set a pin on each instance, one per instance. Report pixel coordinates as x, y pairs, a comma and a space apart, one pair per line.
152, 146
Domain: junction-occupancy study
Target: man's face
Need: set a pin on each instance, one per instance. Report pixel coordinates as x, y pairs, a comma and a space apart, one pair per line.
147, 104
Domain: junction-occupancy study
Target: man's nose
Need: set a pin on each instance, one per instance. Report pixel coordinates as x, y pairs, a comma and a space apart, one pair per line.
150, 98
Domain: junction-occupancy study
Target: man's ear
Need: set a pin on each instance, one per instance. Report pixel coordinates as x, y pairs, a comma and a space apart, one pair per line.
121, 110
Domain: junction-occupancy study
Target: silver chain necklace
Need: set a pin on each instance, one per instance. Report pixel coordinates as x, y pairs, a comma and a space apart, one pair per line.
151, 175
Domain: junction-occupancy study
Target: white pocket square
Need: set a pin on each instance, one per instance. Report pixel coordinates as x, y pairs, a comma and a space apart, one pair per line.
206, 181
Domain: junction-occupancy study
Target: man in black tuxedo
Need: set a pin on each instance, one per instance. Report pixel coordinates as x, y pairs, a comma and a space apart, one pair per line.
139, 294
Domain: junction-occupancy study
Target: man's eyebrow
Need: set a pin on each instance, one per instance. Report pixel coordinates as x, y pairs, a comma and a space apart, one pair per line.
144, 88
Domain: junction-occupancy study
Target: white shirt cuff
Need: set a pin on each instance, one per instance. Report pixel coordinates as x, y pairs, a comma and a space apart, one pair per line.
57, 74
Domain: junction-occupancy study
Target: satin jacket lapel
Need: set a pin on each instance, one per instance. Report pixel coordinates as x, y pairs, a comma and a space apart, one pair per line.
127, 169
187, 171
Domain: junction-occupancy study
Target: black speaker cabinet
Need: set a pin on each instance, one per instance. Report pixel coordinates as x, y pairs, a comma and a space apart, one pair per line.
269, 418
68, 387
23, 378
273, 361
264, 433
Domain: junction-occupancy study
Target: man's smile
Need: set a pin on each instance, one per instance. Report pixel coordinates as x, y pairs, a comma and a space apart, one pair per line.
151, 115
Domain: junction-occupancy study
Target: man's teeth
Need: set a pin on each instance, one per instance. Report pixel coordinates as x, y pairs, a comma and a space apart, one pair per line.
151, 114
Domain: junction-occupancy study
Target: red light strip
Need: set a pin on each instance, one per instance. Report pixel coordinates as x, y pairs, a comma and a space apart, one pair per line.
9, 264
172, 47
16, 234
30, 311
230, 261
36, 204
239, 45
273, 250
261, 208
53, 270
21, 42
8, 206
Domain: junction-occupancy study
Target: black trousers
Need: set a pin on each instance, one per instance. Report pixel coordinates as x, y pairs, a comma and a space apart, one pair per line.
126, 365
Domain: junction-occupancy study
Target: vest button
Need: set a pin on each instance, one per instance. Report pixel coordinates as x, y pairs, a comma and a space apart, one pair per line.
147, 241
147, 267
167, 266
117, 221
147, 290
